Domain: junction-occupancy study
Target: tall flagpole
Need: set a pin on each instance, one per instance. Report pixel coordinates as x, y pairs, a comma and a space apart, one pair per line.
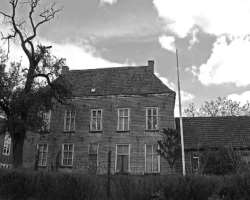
180, 113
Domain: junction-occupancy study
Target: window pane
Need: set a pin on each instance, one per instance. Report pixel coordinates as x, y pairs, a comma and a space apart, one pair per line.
126, 127
122, 149
148, 163
155, 163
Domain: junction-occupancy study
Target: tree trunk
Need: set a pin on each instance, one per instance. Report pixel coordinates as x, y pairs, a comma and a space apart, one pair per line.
18, 142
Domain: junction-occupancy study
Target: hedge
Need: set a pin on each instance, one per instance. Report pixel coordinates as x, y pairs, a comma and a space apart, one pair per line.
28, 185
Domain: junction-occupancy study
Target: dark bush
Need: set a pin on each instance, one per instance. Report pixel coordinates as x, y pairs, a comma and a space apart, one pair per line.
25, 185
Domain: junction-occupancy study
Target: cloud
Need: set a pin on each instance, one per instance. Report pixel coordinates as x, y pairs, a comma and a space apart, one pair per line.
242, 98
110, 2
77, 57
194, 38
167, 42
228, 63
186, 97
214, 17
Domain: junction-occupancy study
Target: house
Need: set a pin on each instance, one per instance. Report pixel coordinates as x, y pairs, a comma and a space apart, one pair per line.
121, 110
214, 132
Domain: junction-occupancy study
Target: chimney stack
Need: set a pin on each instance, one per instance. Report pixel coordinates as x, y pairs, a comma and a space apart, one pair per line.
65, 70
151, 66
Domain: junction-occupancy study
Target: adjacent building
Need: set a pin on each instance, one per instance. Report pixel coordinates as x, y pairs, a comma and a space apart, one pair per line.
201, 133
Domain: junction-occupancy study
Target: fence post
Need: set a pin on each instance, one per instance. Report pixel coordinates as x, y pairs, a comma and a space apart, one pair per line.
109, 176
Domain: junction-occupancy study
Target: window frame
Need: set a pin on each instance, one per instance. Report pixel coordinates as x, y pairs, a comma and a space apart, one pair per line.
116, 155
47, 152
123, 120
152, 159
96, 122
70, 129
62, 156
7, 145
195, 156
45, 128
152, 116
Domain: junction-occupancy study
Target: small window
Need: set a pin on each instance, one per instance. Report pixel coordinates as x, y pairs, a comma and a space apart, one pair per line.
93, 158
123, 119
67, 154
46, 121
152, 118
195, 162
69, 120
122, 158
96, 120
7, 145
152, 159
42, 154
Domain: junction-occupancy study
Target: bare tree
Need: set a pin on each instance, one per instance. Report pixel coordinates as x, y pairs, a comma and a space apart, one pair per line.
24, 93
221, 106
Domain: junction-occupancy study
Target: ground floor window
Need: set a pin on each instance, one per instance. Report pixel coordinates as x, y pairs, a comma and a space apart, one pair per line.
122, 158
152, 159
42, 154
93, 158
67, 154
195, 161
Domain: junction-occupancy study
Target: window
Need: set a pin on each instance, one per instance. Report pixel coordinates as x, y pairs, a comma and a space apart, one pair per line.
152, 159
96, 120
5, 165
67, 154
42, 154
46, 121
6, 144
123, 119
93, 158
152, 118
195, 162
122, 164
69, 120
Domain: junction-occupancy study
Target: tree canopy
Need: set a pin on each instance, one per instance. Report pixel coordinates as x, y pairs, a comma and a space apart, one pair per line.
26, 91
221, 106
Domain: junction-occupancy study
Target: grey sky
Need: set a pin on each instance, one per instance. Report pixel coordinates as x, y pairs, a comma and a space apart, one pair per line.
127, 32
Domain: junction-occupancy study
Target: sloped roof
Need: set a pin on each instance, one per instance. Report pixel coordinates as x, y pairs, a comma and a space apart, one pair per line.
216, 131
115, 81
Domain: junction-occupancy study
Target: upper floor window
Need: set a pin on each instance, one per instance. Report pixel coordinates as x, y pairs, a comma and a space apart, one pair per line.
123, 119
122, 164
69, 120
152, 118
152, 159
67, 154
6, 145
46, 116
42, 154
96, 120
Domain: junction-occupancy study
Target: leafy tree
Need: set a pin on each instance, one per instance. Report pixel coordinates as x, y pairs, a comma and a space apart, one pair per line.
27, 91
221, 161
221, 106
170, 146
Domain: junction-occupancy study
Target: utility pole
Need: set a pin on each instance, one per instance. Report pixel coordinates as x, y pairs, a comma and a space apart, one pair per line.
180, 113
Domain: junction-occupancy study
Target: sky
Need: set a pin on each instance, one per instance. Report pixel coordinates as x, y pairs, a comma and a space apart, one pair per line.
212, 38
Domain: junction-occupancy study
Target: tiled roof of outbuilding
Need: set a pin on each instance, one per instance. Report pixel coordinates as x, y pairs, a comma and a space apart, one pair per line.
216, 131
116, 81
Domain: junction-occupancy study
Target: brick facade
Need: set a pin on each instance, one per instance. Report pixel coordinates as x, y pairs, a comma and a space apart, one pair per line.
152, 94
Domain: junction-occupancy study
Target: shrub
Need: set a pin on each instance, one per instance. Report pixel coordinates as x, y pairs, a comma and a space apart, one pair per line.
16, 185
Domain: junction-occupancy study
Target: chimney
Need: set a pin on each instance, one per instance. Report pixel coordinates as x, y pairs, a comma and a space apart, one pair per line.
65, 69
150, 67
